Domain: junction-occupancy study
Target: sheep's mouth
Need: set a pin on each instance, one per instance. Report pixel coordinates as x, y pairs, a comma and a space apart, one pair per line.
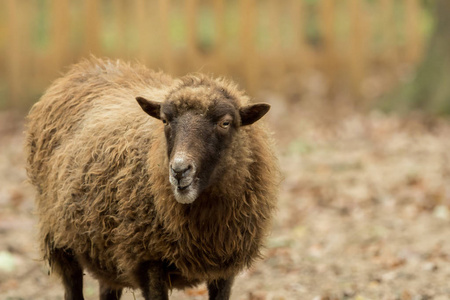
182, 188
186, 193
181, 184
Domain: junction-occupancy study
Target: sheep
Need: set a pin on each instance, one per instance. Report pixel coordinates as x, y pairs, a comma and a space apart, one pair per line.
149, 182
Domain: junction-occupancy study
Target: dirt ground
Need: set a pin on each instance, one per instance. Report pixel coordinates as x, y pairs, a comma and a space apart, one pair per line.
364, 213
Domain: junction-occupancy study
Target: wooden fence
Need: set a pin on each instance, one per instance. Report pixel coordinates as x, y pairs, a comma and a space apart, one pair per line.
258, 42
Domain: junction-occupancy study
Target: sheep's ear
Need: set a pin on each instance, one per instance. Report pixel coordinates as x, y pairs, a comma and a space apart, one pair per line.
252, 113
150, 107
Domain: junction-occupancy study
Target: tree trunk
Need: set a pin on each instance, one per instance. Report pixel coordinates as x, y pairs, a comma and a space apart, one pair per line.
429, 91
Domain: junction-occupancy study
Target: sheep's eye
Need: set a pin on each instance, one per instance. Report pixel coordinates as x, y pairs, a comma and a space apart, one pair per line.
165, 122
225, 124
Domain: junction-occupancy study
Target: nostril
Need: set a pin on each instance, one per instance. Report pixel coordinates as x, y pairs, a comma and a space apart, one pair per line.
188, 169
179, 171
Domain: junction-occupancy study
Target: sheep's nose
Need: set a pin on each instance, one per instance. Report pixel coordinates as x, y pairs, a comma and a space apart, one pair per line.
181, 169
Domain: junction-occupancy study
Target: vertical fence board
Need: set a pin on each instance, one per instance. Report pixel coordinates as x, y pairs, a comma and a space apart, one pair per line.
119, 16
298, 50
413, 41
191, 10
164, 36
13, 60
328, 28
92, 27
143, 29
358, 46
249, 60
388, 39
60, 32
18, 54
274, 51
220, 37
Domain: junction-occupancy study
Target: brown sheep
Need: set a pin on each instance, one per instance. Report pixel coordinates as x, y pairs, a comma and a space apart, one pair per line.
154, 203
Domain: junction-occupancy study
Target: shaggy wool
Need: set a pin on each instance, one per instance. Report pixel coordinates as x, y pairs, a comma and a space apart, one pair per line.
100, 167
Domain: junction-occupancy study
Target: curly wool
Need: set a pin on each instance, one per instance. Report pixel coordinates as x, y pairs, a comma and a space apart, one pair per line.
100, 168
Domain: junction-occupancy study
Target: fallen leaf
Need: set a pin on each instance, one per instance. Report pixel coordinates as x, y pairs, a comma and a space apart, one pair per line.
7, 262
196, 292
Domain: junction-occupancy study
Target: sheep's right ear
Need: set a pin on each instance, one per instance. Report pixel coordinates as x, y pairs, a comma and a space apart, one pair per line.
252, 113
150, 107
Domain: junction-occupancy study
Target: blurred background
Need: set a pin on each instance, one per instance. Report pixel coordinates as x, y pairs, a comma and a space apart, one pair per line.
360, 99
352, 49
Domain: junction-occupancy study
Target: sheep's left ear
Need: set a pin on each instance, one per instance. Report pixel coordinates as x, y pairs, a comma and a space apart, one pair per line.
252, 113
150, 107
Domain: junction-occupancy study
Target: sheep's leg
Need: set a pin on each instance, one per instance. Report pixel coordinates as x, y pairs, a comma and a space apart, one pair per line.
107, 293
65, 263
220, 289
152, 281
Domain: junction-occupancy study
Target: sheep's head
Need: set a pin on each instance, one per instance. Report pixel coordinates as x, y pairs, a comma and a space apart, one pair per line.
200, 121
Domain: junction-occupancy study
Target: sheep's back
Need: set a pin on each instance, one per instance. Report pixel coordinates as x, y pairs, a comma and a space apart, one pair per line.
92, 93
87, 143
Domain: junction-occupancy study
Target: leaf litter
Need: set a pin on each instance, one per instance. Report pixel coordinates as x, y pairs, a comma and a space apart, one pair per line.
364, 213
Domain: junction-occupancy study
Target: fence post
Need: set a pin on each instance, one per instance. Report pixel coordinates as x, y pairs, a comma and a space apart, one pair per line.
92, 27
120, 21
274, 53
413, 40
247, 41
143, 28
191, 9
358, 45
389, 53
299, 53
164, 36
59, 47
220, 40
328, 27
18, 52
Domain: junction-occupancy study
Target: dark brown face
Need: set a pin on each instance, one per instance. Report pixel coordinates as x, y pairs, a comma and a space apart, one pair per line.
197, 140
